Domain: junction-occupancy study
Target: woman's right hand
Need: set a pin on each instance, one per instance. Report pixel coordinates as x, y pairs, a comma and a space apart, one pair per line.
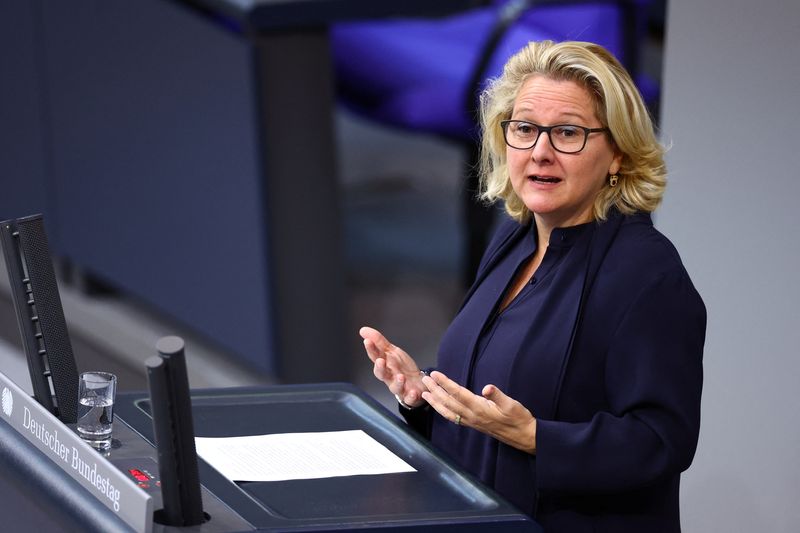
394, 367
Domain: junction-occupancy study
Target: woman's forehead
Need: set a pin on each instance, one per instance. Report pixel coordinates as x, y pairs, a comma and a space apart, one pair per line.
562, 98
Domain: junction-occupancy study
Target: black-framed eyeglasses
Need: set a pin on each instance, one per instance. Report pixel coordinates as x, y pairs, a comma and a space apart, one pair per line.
565, 138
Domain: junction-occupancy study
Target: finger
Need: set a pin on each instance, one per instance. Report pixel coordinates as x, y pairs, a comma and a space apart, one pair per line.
446, 404
376, 337
372, 351
439, 395
495, 396
410, 396
394, 382
441, 408
398, 385
450, 387
506, 409
379, 369
500, 400
413, 387
367, 332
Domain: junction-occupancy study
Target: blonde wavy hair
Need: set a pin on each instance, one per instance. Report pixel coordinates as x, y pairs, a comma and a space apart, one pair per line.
618, 106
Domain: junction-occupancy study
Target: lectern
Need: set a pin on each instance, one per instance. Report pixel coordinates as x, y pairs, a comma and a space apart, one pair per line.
437, 497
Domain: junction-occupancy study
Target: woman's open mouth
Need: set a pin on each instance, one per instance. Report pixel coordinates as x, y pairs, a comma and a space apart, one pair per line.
544, 179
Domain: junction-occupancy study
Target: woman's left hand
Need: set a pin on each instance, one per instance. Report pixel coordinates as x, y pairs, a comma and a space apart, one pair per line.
492, 413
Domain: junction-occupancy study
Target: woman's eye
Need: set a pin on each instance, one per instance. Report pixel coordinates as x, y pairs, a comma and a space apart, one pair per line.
567, 132
524, 128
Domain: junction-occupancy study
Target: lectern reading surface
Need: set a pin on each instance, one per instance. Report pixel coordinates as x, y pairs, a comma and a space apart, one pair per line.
436, 497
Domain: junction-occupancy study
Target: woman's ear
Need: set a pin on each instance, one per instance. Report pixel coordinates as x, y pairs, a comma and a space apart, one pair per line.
616, 163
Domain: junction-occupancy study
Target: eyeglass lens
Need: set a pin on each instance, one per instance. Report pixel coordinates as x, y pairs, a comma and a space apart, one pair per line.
565, 137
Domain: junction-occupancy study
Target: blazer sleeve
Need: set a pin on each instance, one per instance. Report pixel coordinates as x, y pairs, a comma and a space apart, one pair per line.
419, 419
653, 381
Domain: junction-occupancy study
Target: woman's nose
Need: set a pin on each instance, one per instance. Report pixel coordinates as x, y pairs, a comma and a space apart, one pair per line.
543, 149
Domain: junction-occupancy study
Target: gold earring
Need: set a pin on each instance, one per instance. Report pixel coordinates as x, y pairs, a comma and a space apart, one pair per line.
612, 180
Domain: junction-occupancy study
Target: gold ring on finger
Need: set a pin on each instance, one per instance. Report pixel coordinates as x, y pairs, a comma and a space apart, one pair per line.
458, 420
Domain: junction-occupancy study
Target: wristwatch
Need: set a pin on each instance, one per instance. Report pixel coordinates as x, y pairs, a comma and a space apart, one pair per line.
404, 405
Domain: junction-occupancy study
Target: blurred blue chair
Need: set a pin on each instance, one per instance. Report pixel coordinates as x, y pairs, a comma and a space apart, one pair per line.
425, 74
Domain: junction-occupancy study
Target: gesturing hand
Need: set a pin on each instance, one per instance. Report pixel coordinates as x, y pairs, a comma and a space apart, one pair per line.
394, 367
493, 412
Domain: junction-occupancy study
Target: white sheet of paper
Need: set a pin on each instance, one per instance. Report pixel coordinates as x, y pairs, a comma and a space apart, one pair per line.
284, 456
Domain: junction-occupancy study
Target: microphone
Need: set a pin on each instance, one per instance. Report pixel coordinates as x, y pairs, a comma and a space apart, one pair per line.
171, 408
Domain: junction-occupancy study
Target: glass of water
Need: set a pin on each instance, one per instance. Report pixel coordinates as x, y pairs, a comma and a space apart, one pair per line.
96, 392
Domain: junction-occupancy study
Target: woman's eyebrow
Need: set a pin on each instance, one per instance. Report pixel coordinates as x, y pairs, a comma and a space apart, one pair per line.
563, 117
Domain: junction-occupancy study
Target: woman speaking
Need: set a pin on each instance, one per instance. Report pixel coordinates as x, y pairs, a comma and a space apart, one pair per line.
570, 379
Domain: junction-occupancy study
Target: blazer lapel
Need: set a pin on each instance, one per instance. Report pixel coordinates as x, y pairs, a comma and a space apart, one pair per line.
504, 240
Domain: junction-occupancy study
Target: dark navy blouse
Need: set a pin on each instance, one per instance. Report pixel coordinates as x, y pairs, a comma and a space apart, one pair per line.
501, 335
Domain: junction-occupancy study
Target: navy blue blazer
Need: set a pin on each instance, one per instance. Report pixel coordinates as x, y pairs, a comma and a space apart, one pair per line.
617, 398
